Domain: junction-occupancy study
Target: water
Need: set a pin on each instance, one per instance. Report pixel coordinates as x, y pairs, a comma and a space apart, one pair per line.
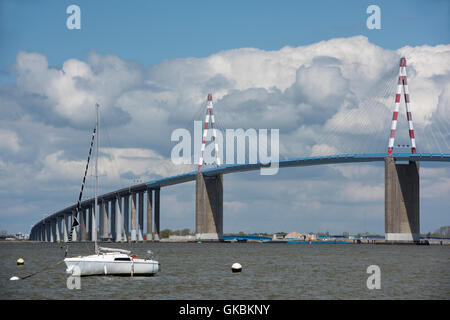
270, 271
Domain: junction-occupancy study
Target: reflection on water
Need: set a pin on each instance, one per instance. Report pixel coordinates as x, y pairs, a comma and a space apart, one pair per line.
270, 271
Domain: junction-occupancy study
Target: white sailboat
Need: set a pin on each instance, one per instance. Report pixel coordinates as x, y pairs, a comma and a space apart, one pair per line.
111, 261
107, 261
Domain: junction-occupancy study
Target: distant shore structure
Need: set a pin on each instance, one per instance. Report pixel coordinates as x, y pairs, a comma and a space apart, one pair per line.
294, 235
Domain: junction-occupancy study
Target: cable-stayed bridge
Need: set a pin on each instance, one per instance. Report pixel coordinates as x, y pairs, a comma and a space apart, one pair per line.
120, 214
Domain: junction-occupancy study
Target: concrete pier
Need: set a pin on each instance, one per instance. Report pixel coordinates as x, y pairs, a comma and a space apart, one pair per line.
91, 222
209, 207
157, 205
141, 217
112, 216
126, 218
75, 236
133, 217
118, 220
402, 201
53, 230
58, 229
83, 233
66, 227
104, 223
149, 235
46, 231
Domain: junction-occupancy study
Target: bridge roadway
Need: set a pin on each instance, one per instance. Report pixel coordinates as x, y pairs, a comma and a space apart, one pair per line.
296, 162
233, 168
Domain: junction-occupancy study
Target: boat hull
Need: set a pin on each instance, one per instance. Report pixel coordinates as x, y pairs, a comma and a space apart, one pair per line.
104, 265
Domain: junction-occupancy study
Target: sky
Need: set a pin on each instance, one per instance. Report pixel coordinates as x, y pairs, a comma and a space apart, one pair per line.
312, 69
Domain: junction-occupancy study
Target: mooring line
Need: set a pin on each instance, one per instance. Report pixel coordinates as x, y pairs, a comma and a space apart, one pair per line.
48, 267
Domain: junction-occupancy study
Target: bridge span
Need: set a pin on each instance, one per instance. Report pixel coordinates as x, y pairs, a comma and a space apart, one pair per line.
115, 208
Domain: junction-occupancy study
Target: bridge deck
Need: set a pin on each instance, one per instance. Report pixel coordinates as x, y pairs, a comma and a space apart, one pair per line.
232, 168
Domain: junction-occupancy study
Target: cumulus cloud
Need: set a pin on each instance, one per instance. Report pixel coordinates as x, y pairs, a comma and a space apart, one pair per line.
114, 164
72, 90
345, 86
330, 97
9, 141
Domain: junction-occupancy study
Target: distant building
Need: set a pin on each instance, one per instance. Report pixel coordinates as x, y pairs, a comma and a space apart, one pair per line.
300, 236
176, 238
22, 236
294, 235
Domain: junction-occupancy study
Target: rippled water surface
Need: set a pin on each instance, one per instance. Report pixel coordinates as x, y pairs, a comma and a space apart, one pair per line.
270, 271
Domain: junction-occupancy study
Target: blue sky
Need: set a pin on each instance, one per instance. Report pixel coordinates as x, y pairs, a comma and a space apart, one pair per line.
151, 31
151, 63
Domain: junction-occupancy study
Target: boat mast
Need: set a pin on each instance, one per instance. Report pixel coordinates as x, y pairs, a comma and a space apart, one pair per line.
94, 226
78, 207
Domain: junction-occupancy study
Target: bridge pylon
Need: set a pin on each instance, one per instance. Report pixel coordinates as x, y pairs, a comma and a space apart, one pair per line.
402, 86
401, 201
209, 189
209, 118
209, 207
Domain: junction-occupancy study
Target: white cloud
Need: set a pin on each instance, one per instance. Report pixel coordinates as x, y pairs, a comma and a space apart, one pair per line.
142, 164
339, 83
9, 140
358, 193
55, 167
72, 91
334, 96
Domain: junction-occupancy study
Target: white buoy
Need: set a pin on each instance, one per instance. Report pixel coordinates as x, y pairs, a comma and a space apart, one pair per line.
236, 267
14, 278
20, 262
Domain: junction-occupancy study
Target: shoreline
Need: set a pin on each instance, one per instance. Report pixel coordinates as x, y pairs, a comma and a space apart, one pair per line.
293, 241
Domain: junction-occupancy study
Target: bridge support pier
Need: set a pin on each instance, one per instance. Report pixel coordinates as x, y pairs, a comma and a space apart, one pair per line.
58, 229
209, 207
133, 217
157, 207
47, 231
126, 218
75, 234
91, 222
52, 230
66, 227
140, 226
149, 235
103, 219
402, 201
118, 220
113, 220
84, 235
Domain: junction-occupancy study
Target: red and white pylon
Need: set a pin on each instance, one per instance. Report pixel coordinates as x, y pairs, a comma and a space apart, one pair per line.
402, 84
209, 115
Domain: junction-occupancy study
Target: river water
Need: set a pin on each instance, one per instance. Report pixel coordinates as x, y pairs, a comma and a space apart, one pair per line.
270, 271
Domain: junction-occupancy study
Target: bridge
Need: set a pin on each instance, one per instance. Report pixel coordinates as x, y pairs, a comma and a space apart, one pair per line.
116, 208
